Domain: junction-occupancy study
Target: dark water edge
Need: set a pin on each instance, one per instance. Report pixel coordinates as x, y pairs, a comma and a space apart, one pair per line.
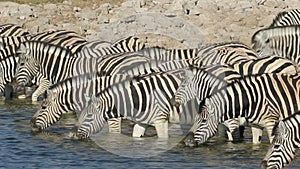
21, 148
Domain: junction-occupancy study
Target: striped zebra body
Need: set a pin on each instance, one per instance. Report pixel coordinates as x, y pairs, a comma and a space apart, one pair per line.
70, 95
12, 30
8, 63
10, 38
225, 53
286, 141
263, 100
163, 54
144, 99
278, 41
286, 18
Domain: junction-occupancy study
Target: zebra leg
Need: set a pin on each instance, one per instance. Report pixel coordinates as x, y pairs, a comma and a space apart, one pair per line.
43, 86
161, 127
232, 125
138, 130
174, 120
256, 135
114, 125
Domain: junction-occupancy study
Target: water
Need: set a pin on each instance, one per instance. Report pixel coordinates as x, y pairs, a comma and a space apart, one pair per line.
21, 148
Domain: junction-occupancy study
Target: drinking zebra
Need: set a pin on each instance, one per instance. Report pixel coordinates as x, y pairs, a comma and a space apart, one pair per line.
286, 140
261, 99
143, 99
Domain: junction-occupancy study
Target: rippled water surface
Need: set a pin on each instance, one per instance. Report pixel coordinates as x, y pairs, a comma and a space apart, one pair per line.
21, 148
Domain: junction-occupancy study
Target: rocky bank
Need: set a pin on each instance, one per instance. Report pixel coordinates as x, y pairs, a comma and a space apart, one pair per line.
169, 23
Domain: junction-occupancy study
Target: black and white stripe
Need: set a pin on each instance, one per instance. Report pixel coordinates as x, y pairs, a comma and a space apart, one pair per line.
286, 141
144, 99
263, 100
286, 18
279, 41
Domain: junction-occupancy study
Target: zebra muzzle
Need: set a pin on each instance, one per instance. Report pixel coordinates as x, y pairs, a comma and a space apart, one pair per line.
189, 140
34, 126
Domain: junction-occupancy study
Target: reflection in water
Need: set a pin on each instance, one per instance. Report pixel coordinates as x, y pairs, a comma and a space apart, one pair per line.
21, 148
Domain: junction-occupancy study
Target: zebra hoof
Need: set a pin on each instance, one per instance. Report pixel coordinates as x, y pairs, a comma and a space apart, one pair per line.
189, 140
23, 96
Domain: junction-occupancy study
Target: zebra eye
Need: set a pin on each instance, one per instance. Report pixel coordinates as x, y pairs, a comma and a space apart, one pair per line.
276, 146
267, 41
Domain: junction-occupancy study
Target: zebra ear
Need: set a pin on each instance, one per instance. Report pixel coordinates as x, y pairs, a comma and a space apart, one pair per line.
51, 94
23, 50
87, 97
208, 104
282, 128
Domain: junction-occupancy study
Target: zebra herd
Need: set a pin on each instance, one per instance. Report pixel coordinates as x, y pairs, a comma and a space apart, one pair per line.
105, 82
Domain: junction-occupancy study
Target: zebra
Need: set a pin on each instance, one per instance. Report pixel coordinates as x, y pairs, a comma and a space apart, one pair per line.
143, 99
70, 95
286, 18
163, 54
142, 68
278, 41
286, 141
225, 53
40, 53
262, 99
12, 30
11, 36
7, 66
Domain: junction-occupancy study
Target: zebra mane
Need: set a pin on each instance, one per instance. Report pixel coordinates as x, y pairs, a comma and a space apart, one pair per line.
80, 80
58, 37
280, 30
220, 44
278, 17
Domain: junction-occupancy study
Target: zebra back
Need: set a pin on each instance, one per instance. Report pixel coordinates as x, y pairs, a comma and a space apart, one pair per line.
225, 53
286, 141
63, 38
12, 30
271, 64
163, 54
286, 18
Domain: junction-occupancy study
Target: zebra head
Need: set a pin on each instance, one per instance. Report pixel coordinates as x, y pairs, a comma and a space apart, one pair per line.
27, 67
282, 150
261, 43
49, 112
91, 120
185, 92
205, 124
